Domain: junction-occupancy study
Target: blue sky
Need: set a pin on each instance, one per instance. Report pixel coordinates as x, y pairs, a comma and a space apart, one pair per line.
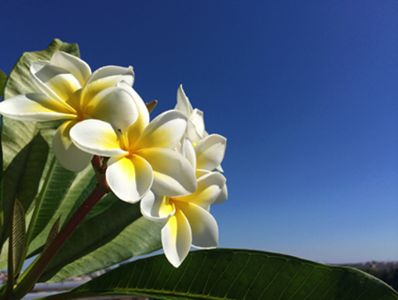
305, 92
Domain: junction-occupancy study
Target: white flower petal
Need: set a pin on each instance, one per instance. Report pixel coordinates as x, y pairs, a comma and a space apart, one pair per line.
79, 68
115, 106
183, 103
196, 118
129, 178
55, 82
176, 238
34, 107
143, 116
208, 189
165, 131
192, 133
173, 174
103, 78
203, 225
188, 151
223, 195
210, 152
67, 154
97, 137
155, 207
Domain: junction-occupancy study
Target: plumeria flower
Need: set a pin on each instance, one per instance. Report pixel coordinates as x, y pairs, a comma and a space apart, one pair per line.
141, 155
186, 220
196, 126
70, 92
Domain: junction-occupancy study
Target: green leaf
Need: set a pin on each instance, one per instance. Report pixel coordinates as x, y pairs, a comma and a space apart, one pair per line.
112, 236
235, 274
26, 145
53, 233
18, 237
3, 79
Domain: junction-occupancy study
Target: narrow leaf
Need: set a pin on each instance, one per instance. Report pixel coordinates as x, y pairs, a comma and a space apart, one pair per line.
53, 233
230, 274
3, 79
18, 236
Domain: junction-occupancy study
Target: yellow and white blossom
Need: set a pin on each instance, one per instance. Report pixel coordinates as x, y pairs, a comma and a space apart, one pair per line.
69, 91
140, 155
186, 220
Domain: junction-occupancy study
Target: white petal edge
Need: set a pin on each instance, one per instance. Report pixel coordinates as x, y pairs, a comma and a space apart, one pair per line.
196, 118
176, 238
183, 103
33, 107
129, 178
97, 137
188, 151
165, 131
203, 225
115, 106
153, 207
210, 152
67, 154
173, 174
79, 68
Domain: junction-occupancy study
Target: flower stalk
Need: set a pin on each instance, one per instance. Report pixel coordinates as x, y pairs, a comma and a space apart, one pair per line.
47, 255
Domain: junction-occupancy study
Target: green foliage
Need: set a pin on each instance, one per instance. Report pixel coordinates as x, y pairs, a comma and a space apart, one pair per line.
388, 276
235, 274
3, 79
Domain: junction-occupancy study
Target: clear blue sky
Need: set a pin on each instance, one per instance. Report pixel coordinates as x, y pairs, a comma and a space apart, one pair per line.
305, 92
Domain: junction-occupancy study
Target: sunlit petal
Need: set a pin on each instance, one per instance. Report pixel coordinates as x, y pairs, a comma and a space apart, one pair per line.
188, 151
67, 154
138, 127
210, 152
129, 177
155, 207
176, 238
203, 225
103, 78
34, 107
196, 118
223, 195
165, 131
173, 174
115, 106
192, 133
208, 190
183, 103
97, 137
55, 82
79, 68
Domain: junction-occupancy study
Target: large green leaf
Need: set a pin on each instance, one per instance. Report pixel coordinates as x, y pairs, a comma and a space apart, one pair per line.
229, 274
109, 237
26, 145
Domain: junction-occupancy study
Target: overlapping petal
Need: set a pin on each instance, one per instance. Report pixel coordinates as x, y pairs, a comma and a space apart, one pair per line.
103, 78
173, 174
142, 121
97, 137
115, 106
176, 238
165, 131
156, 207
68, 155
188, 151
55, 82
203, 225
183, 103
129, 178
35, 107
210, 152
208, 189
79, 68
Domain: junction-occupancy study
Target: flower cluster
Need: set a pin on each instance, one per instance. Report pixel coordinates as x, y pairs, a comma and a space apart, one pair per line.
170, 164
